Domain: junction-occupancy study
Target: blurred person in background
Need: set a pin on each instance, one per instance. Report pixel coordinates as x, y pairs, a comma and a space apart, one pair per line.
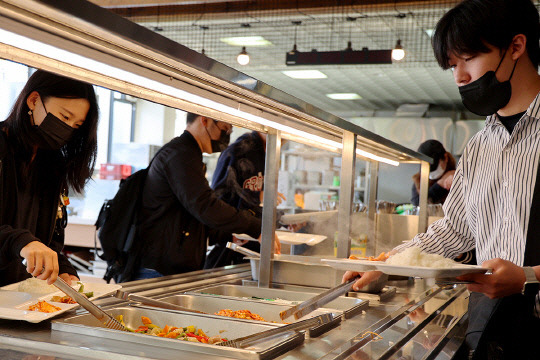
238, 180
441, 176
441, 173
48, 144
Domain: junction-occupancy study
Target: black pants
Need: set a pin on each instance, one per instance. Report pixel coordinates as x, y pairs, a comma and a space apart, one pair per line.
502, 329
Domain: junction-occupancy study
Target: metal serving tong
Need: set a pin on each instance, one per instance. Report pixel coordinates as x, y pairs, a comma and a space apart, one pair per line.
92, 308
143, 300
317, 301
268, 334
243, 250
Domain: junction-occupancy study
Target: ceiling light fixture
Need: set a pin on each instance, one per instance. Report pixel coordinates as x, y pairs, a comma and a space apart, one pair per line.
243, 57
342, 57
157, 28
347, 56
246, 41
203, 28
344, 96
294, 49
398, 53
349, 43
305, 74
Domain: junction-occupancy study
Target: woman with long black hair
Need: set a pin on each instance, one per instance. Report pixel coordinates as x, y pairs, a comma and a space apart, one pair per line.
48, 144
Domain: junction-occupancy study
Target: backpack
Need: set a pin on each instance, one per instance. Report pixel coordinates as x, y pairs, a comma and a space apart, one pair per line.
116, 228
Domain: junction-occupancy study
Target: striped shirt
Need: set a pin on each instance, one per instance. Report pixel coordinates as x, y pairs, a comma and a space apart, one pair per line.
489, 203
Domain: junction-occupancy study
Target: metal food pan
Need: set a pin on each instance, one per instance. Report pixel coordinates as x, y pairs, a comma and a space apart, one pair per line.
349, 306
308, 271
209, 304
88, 325
290, 287
293, 271
269, 311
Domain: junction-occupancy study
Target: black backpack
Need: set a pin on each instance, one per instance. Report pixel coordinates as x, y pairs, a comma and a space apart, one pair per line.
116, 228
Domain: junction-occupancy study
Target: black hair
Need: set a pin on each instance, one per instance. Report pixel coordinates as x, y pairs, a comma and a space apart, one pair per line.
79, 154
435, 150
191, 117
468, 27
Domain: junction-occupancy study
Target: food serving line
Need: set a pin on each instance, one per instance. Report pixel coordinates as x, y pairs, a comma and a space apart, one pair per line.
413, 318
419, 319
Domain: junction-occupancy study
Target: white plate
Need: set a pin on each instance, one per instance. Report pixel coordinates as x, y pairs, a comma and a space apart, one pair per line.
299, 238
291, 238
244, 237
315, 216
415, 271
14, 304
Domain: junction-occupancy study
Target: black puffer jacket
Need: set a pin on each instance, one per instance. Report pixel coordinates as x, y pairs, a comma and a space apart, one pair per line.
179, 209
238, 180
25, 216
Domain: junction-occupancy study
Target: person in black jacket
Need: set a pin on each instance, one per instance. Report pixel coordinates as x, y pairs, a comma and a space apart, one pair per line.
47, 143
441, 173
238, 180
178, 206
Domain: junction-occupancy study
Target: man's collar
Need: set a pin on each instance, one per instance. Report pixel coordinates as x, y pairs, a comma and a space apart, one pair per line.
533, 111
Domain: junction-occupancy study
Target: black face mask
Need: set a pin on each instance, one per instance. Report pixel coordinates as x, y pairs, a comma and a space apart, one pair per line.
487, 95
220, 144
53, 133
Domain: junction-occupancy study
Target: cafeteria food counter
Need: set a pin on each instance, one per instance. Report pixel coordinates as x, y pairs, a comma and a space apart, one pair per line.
419, 320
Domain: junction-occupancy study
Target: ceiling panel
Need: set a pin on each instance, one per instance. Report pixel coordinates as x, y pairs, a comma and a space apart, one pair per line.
377, 25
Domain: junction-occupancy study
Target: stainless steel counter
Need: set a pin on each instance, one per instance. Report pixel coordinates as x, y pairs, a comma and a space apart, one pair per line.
420, 321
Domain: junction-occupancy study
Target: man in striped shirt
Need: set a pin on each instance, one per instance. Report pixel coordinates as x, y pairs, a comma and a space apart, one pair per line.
492, 47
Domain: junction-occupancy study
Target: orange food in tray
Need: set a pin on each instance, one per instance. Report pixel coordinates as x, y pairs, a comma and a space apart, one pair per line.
44, 306
63, 299
240, 314
382, 257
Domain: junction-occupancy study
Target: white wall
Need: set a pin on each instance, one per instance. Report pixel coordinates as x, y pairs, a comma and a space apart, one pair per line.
411, 132
104, 103
13, 77
149, 123
395, 182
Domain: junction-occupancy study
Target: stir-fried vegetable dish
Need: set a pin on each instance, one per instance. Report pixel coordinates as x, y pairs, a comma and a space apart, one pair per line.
188, 333
68, 300
240, 314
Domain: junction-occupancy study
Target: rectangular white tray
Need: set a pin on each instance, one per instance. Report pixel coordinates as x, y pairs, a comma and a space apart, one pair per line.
14, 304
291, 238
414, 271
315, 216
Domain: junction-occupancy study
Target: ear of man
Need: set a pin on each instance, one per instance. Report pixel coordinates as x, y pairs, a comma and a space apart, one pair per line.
204, 121
518, 46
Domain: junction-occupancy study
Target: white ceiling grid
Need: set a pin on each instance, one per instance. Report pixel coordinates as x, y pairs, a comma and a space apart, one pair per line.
416, 79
